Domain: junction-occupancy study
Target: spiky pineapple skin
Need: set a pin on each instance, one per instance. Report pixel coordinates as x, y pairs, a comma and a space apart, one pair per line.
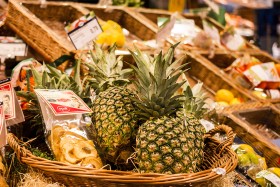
115, 122
163, 146
195, 131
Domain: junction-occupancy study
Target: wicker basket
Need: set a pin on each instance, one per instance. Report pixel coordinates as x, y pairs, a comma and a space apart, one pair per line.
217, 155
32, 23
248, 133
223, 60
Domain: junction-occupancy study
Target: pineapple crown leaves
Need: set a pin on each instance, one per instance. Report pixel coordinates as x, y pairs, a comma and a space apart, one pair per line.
194, 100
52, 78
106, 69
156, 83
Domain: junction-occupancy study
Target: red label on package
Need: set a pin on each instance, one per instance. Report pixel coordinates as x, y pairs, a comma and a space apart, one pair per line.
3, 130
63, 102
7, 97
265, 72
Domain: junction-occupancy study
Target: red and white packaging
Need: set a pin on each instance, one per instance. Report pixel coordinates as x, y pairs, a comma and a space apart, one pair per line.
11, 108
67, 127
265, 72
3, 129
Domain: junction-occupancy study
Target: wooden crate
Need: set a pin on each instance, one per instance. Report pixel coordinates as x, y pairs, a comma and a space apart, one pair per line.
212, 77
223, 60
242, 124
134, 22
153, 14
5, 30
43, 27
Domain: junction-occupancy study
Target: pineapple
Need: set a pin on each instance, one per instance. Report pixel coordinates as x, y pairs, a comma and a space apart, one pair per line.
166, 142
113, 110
193, 110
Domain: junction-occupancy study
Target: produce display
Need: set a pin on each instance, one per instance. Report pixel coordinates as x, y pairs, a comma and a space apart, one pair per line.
146, 118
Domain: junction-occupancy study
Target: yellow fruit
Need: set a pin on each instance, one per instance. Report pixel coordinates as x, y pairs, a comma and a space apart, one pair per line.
246, 148
106, 27
275, 170
224, 95
223, 103
261, 181
243, 160
263, 163
119, 38
103, 38
114, 25
253, 157
260, 94
235, 101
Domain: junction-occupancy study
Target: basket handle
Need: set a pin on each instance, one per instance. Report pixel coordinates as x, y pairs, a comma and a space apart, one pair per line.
228, 142
13, 141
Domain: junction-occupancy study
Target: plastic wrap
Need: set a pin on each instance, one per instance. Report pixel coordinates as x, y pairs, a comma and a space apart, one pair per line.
66, 123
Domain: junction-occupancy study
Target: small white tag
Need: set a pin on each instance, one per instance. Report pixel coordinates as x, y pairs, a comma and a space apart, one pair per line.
274, 179
164, 30
207, 124
184, 27
13, 49
234, 42
212, 31
235, 146
83, 31
219, 171
274, 94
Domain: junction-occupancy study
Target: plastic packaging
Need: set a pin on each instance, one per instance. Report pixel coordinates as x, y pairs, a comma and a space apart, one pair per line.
66, 123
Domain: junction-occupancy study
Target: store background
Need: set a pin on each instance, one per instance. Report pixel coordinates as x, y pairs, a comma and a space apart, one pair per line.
261, 26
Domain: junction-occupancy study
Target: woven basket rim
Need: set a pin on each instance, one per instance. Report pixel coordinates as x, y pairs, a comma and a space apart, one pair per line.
126, 177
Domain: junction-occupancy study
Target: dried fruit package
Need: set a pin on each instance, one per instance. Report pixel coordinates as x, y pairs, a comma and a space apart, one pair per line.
66, 121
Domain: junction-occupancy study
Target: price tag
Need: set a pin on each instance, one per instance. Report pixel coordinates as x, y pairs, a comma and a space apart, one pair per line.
184, 27
7, 97
273, 178
62, 102
84, 30
212, 31
13, 49
207, 124
3, 129
165, 29
235, 146
11, 108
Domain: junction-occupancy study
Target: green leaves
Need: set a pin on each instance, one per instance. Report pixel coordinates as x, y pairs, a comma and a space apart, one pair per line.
194, 101
156, 82
106, 68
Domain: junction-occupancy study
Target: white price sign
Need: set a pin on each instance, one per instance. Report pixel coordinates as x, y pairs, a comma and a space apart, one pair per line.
13, 49
84, 34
